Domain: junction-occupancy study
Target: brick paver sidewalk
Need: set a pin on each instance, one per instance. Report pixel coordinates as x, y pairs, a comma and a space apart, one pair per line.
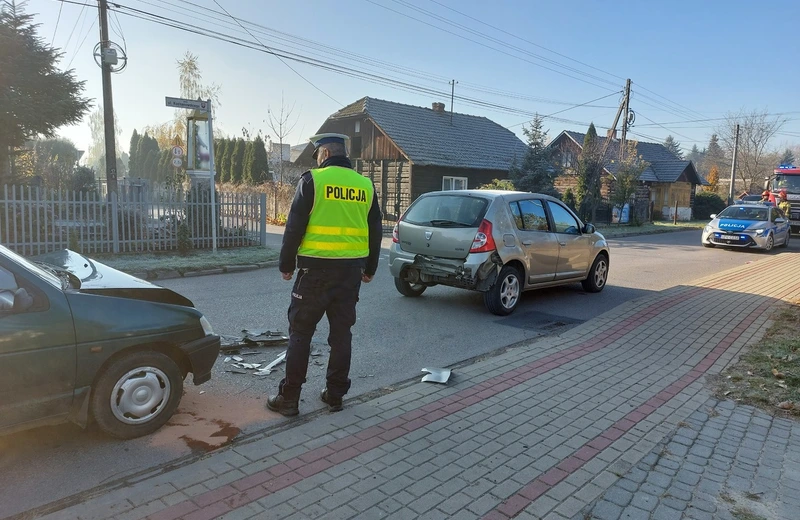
608, 420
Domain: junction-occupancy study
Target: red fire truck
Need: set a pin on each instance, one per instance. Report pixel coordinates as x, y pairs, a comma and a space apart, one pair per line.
787, 177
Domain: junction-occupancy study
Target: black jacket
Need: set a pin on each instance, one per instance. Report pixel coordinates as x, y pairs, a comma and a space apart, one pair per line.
297, 221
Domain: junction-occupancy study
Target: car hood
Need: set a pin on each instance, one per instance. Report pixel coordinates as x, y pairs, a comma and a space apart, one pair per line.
98, 278
731, 224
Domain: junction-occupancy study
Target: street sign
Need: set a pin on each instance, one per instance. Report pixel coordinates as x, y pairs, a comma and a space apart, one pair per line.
177, 151
177, 162
193, 104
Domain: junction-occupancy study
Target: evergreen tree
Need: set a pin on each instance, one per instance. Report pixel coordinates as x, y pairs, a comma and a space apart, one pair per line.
539, 167
589, 171
37, 97
223, 162
150, 166
165, 166
133, 161
237, 162
696, 156
673, 146
247, 168
260, 170
787, 157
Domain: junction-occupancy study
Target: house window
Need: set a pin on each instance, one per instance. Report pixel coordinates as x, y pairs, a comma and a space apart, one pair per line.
358, 127
454, 183
355, 147
567, 159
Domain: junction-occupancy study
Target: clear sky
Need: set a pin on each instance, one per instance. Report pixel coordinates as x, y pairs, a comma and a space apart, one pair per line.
688, 59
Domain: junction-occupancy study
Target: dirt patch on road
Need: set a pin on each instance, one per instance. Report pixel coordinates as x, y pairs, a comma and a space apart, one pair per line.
205, 422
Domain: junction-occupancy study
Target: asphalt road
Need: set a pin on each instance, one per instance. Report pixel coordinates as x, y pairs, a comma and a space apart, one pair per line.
394, 338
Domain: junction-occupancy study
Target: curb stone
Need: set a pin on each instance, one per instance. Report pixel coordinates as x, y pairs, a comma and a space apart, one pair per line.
172, 273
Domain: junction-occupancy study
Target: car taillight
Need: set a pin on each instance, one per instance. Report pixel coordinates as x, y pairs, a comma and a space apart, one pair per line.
395, 234
483, 241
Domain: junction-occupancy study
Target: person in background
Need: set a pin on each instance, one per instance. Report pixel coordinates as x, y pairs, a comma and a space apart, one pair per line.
783, 203
767, 196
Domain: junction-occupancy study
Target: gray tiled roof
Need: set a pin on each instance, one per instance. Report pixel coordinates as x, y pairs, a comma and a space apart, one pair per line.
426, 137
664, 165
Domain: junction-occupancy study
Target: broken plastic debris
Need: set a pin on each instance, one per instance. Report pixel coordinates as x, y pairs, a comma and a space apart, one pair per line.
237, 358
227, 359
235, 371
202, 392
252, 338
269, 368
436, 375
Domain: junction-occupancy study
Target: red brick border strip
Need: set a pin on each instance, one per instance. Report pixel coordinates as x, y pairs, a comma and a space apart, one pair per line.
515, 504
258, 485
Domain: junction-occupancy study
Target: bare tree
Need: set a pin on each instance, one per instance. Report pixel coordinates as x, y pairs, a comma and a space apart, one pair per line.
282, 124
756, 130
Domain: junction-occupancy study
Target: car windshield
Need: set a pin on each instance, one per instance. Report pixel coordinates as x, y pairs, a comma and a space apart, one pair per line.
745, 213
788, 182
48, 275
447, 211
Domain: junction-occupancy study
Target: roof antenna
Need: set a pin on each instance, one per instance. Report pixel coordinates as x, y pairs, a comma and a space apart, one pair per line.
452, 96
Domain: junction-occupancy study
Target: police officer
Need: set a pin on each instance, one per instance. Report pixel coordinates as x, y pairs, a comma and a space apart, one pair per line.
333, 236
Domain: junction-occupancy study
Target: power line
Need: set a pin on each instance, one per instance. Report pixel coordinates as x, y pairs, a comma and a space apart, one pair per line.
78, 19
305, 43
58, 19
80, 45
569, 108
282, 61
484, 45
672, 102
665, 128
526, 41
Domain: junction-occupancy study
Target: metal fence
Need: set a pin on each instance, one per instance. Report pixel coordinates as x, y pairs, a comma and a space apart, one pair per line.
37, 220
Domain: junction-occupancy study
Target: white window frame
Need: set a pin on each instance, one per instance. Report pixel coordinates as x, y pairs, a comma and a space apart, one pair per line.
448, 183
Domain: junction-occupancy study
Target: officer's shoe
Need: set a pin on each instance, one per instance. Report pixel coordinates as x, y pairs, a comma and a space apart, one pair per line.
283, 406
334, 403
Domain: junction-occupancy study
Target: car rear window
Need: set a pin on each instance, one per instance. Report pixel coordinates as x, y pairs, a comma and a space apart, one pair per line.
447, 211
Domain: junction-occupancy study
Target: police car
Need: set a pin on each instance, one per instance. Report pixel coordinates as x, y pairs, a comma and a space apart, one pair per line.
754, 226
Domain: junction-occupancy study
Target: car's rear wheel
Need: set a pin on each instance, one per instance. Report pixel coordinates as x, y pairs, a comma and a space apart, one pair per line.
598, 275
770, 243
137, 394
502, 297
409, 289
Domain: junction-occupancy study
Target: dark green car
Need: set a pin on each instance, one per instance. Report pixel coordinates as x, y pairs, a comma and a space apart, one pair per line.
81, 341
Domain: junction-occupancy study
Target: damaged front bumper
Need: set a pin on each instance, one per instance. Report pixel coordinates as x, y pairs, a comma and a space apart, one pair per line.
202, 354
478, 271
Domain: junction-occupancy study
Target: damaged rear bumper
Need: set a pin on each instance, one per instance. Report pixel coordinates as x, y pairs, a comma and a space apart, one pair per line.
477, 272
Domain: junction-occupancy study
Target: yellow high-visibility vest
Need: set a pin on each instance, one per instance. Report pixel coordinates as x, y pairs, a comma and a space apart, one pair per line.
337, 226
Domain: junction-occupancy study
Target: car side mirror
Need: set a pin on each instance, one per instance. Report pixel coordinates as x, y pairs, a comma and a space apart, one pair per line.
589, 229
713, 215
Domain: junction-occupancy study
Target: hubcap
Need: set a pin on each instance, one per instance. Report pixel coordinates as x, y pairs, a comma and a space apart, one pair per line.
600, 273
509, 291
140, 395
770, 241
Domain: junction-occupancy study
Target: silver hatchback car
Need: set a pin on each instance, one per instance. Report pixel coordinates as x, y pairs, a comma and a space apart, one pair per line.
498, 242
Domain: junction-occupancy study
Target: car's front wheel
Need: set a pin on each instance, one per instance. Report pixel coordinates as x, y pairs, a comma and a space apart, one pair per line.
502, 297
598, 275
770, 243
409, 289
137, 394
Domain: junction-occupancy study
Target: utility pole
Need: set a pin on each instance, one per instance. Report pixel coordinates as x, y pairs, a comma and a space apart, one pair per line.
108, 103
626, 107
733, 165
452, 98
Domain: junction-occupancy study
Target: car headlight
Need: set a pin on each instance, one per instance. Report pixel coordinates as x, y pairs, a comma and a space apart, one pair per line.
207, 328
760, 231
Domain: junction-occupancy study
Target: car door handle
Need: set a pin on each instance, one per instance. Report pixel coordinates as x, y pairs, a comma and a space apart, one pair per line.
527, 242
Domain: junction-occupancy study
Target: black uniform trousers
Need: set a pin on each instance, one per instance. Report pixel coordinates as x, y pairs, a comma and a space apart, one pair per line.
319, 291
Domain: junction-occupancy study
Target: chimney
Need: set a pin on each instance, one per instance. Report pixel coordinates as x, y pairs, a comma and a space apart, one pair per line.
438, 107
611, 134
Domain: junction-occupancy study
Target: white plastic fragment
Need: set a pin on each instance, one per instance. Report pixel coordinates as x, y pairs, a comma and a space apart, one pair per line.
238, 358
269, 368
436, 375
